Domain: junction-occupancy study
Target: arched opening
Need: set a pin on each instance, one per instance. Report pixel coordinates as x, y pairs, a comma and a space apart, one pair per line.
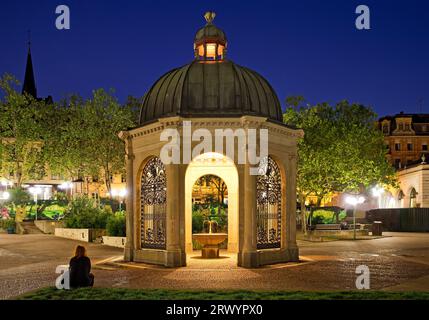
269, 205
221, 170
413, 198
209, 209
401, 197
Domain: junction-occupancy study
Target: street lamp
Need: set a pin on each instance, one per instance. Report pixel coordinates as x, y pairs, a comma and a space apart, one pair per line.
35, 191
378, 192
5, 195
354, 201
67, 186
6, 183
120, 194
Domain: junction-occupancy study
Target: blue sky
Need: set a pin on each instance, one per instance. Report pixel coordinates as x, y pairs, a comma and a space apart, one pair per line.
310, 48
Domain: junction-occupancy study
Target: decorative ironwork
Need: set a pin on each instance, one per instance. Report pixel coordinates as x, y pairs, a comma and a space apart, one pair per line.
269, 205
153, 205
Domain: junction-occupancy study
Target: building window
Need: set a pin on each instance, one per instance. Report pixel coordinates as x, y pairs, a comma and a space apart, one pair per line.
123, 178
385, 128
95, 196
409, 146
401, 127
153, 205
407, 127
397, 147
424, 128
269, 206
424, 147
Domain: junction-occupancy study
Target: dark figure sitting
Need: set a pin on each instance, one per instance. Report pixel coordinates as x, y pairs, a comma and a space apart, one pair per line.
80, 269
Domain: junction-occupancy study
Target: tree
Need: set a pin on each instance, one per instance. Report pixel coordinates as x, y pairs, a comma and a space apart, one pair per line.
342, 150
219, 185
83, 137
21, 127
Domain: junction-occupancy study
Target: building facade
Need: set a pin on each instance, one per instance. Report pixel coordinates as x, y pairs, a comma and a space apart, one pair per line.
407, 139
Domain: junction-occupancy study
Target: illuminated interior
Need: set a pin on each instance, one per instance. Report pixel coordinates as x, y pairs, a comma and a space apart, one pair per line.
210, 52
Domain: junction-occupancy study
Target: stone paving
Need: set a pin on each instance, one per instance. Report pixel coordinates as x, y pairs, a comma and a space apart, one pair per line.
399, 261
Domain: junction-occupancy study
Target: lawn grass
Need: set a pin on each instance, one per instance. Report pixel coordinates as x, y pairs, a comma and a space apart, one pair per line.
164, 294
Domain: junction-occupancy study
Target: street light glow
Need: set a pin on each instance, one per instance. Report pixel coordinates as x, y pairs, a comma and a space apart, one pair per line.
355, 200
377, 191
35, 190
5, 195
66, 185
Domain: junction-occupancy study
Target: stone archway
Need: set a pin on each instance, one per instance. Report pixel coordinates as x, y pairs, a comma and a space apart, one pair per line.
223, 167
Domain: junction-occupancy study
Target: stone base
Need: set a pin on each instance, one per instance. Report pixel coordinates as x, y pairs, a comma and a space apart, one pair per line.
210, 252
128, 254
166, 258
248, 259
269, 256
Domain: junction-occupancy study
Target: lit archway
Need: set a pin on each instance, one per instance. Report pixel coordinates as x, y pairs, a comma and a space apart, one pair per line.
213, 164
413, 198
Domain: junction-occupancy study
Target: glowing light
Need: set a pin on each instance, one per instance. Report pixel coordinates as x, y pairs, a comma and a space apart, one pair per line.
355, 200
5, 195
35, 190
377, 191
118, 193
66, 185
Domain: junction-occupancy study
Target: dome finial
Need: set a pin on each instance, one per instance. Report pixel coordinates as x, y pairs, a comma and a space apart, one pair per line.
209, 16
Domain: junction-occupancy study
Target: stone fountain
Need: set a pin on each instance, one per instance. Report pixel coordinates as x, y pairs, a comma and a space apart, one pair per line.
210, 240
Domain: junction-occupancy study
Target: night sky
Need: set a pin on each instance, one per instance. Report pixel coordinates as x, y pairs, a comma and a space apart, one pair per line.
310, 48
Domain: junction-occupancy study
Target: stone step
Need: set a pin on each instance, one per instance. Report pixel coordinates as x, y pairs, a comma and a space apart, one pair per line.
29, 227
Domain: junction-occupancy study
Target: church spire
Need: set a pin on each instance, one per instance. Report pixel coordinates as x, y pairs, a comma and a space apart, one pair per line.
29, 82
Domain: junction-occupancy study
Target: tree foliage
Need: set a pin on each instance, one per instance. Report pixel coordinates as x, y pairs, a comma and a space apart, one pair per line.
21, 127
83, 137
342, 150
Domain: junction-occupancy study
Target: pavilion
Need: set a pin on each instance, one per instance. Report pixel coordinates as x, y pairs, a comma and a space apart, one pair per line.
211, 93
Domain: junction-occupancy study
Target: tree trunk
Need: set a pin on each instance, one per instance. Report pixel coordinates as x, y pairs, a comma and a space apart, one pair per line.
303, 213
108, 186
319, 200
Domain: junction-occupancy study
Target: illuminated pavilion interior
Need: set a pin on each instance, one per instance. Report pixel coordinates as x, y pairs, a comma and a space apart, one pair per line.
213, 93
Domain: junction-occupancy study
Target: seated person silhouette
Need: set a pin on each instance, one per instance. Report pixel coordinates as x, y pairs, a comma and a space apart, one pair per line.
80, 269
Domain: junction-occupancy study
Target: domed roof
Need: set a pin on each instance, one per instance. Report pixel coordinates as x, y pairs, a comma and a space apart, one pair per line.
216, 88
210, 32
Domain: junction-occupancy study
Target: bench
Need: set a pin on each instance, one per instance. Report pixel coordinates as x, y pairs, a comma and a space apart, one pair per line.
328, 227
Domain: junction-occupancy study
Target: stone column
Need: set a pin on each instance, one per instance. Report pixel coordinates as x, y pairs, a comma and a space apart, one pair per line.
130, 244
289, 241
173, 252
249, 254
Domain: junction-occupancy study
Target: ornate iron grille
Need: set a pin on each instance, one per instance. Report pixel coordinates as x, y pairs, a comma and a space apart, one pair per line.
153, 205
269, 206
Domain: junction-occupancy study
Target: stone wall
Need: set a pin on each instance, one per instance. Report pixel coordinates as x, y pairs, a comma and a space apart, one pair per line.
86, 235
118, 242
47, 226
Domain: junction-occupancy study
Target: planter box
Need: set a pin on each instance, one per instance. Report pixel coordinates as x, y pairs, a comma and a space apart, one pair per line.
86, 235
118, 242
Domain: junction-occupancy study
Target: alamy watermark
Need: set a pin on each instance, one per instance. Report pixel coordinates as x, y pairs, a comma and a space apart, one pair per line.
363, 279
63, 280
225, 141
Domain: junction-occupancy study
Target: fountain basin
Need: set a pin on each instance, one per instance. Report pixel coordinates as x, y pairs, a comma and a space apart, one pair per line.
210, 243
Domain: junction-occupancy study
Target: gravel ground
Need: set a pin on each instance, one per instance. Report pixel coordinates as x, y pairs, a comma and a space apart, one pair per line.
401, 261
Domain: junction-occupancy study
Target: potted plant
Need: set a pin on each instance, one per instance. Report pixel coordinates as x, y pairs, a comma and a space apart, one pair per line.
9, 225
